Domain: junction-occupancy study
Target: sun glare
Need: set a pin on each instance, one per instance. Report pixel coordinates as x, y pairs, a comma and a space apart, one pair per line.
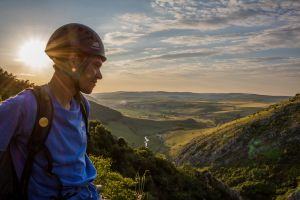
32, 54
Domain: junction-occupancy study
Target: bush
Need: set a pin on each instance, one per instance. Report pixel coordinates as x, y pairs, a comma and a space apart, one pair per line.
256, 190
115, 186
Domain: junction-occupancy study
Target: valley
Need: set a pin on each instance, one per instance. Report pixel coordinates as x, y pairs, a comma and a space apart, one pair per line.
171, 119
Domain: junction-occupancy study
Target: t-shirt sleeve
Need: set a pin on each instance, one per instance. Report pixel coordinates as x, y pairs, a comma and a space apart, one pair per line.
11, 114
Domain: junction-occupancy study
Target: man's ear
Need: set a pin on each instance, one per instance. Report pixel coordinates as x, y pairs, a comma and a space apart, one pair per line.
74, 63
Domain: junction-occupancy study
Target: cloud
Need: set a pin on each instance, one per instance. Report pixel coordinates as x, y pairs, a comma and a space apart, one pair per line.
257, 66
113, 51
219, 14
284, 37
178, 55
268, 25
25, 74
121, 38
196, 40
5, 52
210, 15
135, 17
213, 15
273, 38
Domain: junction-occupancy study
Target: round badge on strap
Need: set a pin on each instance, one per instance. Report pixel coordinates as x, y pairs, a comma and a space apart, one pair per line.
43, 122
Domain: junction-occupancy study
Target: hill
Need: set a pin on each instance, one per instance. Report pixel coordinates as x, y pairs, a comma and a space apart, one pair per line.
209, 108
257, 154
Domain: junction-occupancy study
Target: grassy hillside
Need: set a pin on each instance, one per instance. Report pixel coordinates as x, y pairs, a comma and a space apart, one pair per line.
257, 154
176, 140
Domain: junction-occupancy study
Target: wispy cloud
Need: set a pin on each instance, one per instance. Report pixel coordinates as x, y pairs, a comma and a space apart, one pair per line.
178, 55
274, 38
25, 75
209, 15
214, 15
283, 37
121, 38
196, 40
219, 14
114, 51
247, 67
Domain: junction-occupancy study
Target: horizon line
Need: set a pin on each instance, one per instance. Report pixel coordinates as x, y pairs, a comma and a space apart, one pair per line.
153, 91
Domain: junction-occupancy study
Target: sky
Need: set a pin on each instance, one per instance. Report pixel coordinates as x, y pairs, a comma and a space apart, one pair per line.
167, 45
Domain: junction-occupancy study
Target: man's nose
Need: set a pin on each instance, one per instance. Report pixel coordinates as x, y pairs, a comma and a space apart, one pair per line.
98, 74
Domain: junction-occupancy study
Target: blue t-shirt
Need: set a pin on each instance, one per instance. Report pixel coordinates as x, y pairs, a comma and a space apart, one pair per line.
67, 143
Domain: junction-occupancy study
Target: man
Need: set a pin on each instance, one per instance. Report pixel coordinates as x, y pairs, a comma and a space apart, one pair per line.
78, 53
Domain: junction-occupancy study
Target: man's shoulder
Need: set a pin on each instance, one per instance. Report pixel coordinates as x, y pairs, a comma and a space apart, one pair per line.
27, 97
23, 98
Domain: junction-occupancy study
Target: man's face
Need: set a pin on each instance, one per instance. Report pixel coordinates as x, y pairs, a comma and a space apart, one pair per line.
90, 75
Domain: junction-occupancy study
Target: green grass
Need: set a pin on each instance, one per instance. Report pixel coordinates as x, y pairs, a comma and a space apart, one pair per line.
121, 130
175, 140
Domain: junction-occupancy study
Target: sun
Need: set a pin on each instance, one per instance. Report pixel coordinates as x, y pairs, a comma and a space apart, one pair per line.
32, 54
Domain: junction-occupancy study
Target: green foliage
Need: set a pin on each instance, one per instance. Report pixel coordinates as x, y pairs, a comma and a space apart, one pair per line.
260, 181
10, 85
160, 179
101, 142
256, 190
256, 148
115, 186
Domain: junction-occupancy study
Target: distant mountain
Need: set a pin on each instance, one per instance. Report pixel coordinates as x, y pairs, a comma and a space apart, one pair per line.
189, 95
269, 138
212, 108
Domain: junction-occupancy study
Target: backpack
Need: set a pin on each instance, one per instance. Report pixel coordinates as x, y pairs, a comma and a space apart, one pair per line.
10, 187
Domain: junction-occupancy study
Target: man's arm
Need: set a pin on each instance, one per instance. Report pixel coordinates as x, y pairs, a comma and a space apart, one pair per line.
10, 118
